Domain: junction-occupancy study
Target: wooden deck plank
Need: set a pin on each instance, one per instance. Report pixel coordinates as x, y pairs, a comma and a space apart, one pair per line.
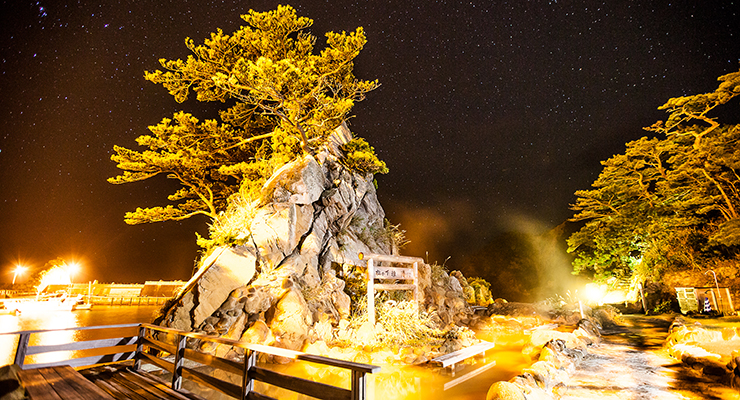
122, 382
161, 391
59, 384
123, 391
103, 385
153, 380
84, 387
132, 386
150, 391
36, 385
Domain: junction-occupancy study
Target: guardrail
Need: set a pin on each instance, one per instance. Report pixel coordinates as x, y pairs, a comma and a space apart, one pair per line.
142, 345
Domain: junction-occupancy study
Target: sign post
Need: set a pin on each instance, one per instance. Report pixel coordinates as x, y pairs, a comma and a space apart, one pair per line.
390, 273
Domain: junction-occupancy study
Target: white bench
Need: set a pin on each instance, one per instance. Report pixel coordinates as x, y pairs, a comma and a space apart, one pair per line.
450, 360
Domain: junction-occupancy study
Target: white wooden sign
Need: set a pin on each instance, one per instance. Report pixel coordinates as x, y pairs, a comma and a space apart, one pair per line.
390, 273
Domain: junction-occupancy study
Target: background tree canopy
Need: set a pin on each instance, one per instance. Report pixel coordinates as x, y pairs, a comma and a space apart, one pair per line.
668, 202
281, 100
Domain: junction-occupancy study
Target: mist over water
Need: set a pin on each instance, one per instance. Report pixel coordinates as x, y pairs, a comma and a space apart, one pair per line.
525, 262
522, 257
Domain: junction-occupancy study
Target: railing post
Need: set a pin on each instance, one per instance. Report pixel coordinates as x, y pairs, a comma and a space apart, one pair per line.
139, 348
371, 292
359, 385
20, 352
250, 360
179, 360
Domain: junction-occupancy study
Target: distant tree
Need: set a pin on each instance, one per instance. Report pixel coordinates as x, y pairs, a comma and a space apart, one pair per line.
669, 201
282, 100
34, 280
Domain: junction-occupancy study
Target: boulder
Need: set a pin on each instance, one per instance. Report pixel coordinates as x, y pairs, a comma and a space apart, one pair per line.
541, 336
258, 333
291, 320
546, 375
301, 181
505, 391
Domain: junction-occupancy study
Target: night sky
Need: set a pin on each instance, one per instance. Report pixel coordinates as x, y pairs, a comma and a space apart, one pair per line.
491, 114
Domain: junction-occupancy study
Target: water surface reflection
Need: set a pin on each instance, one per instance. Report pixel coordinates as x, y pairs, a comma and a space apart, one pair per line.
393, 383
99, 315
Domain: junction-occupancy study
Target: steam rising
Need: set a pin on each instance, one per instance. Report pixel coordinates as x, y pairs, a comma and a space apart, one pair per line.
522, 258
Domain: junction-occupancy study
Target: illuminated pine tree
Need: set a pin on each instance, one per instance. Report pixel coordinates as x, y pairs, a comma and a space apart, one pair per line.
282, 101
666, 202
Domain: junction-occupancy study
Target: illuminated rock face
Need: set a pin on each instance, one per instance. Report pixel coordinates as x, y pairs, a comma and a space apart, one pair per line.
283, 285
316, 216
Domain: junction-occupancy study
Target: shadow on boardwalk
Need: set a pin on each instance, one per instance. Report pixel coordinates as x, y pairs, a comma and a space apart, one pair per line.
631, 364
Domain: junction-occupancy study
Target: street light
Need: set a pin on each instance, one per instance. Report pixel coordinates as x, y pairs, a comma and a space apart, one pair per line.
19, 270
72, 269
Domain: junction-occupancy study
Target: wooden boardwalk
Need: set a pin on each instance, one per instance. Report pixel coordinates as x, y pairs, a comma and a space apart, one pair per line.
115, 371
116, 382
122, 382
60, 382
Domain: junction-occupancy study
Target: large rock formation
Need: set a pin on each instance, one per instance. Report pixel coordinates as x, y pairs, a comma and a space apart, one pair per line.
285, 284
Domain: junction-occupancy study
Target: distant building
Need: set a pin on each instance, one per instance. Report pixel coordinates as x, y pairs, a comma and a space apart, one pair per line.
148, 289
692, 299
161, 288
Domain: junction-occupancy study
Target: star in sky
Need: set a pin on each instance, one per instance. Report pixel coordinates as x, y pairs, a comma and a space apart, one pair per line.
488, 113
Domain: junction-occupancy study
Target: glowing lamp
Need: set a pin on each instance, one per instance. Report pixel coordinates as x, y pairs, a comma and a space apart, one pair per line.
72, 268
19, 270
595, 293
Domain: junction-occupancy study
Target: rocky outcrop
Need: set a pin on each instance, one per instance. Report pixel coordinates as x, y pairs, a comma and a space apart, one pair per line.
555, 355
285, 284
711, 354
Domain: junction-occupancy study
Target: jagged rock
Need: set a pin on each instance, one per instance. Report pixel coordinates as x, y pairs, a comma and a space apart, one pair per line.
314, 217
299, 182
277, 228
257, 300
229, 268
552, 353
291, 320
546, 374
323, 330
588, 332
502, 307
258, 333
425, 277
606, 316
234, 333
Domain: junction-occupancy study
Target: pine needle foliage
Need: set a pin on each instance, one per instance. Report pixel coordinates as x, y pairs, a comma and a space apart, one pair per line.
282, 98
668, 202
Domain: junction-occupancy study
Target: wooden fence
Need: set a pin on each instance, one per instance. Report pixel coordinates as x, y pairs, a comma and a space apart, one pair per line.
144, 341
